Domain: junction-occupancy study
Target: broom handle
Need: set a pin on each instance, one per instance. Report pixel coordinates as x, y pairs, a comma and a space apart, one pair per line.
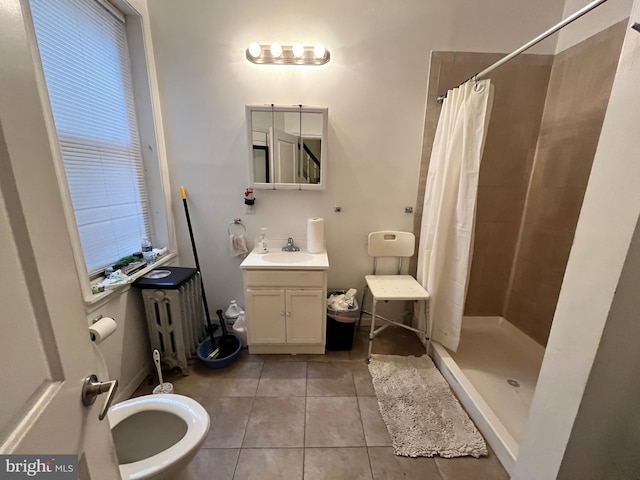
183, 192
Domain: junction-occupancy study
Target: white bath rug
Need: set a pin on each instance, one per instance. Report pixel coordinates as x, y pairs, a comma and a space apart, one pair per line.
422, 415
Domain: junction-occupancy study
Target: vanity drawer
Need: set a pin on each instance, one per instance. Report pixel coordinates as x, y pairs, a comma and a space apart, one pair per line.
284, 278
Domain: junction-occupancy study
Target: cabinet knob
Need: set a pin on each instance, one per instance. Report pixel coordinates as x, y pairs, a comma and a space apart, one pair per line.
282, 314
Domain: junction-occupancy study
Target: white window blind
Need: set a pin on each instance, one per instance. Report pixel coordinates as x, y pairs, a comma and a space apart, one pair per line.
86, 63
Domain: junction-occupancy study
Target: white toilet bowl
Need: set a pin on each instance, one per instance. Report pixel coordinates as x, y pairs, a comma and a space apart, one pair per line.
156, 436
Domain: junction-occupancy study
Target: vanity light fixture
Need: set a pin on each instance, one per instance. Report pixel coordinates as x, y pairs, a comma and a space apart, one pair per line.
254, 49
297, 50
296, 54
276, 50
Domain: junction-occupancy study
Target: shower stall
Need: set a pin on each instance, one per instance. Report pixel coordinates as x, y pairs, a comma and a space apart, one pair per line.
543, 132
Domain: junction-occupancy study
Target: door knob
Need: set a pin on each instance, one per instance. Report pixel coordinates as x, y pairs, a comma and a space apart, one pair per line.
91, 388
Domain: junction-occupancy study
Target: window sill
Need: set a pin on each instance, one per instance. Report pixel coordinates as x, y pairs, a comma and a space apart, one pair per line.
98, 299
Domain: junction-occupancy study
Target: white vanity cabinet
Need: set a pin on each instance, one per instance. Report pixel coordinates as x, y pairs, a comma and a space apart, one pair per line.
286, 310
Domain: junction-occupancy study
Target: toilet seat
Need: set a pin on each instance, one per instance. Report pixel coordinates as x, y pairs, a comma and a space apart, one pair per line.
187, 409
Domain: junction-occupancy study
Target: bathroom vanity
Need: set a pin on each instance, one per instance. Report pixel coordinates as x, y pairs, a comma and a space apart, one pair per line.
285, 301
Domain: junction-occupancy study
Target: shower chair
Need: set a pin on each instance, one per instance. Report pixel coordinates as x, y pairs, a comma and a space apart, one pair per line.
396, 287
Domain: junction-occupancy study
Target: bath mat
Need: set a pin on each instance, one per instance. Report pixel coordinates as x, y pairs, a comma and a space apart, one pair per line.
422, 415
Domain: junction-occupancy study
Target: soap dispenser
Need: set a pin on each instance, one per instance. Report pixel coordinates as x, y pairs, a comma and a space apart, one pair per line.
261, 243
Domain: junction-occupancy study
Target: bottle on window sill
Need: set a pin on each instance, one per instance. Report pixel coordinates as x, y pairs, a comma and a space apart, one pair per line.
107, 272
146, 245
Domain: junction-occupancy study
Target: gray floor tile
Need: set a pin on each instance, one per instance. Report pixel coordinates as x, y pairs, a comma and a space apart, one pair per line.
269, 464
218, 463
330, 379
238, 369
303, 357
333, 422
362, 378
333, 356
336, 464
276, 387
360, 344
229, 417
387, 466
284, 370
276, 422
470, 468
239, 379
393, 341
229, 387
375, 430
281, 379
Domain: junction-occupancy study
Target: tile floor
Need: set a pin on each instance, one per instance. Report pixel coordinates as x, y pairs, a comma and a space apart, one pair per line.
311, 417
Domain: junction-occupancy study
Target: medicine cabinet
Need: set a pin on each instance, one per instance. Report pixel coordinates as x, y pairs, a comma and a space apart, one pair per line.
287, 147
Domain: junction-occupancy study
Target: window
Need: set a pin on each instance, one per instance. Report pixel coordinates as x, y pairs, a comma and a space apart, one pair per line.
84, 53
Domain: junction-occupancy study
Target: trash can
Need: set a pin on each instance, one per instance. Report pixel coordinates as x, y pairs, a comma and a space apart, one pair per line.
341, 325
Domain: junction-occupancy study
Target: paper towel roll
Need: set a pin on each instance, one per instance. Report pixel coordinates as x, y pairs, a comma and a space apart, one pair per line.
315, 235
102, 329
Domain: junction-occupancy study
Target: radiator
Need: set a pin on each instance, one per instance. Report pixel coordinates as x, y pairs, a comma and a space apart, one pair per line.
175, 318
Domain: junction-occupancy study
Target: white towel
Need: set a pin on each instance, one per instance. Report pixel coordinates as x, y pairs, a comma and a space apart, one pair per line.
237, 245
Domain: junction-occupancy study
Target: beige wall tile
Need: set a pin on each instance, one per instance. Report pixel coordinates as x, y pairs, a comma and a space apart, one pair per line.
579, 87
546, 120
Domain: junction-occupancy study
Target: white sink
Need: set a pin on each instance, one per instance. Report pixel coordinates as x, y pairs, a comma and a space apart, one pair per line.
276, 259
287, 257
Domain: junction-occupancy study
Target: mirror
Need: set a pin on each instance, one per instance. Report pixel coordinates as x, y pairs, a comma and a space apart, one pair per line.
287, 147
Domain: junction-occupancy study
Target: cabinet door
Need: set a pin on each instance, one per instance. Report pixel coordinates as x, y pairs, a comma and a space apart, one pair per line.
265, 316
305, 316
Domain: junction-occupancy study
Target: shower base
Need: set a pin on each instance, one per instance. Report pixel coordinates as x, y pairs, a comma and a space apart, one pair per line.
494, 374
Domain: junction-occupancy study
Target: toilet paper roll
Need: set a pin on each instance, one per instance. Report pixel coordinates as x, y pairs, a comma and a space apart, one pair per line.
102, 329
315, 235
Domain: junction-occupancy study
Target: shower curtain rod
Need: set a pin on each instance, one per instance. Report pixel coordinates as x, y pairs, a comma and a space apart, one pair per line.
528, 45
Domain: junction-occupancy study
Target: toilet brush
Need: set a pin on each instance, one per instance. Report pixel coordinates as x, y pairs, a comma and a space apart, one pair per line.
164, 387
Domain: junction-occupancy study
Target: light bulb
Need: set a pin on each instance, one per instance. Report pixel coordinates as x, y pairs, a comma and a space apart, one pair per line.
254, 50
276, 49
319, 51
298, 50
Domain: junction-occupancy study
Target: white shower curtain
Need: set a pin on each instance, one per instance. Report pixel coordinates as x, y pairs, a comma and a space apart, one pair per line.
446, 234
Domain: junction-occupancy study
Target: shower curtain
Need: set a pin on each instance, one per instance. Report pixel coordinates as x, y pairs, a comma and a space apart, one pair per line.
446, 234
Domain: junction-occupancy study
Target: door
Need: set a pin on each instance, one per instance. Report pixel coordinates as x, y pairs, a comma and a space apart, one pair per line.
305, 316
285, 157
266, 316
45, 351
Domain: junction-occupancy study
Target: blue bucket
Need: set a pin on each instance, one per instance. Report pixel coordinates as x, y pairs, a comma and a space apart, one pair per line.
204, 350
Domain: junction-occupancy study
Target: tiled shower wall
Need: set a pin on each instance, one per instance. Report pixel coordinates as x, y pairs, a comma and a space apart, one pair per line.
545, 123
577, 97
519, 92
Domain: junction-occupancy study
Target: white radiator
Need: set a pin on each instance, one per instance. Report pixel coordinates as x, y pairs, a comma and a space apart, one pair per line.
175, 318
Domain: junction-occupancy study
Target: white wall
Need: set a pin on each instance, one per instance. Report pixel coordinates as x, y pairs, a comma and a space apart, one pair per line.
603, 237
593, 22
374, 87
127, 351
608, 424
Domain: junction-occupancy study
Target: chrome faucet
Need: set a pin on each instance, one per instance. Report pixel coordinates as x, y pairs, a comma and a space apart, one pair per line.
290, 246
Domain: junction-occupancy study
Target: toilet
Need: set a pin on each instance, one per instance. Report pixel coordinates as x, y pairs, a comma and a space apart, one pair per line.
156, 436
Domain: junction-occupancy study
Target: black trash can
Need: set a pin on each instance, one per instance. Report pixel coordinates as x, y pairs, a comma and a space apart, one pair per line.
341, 325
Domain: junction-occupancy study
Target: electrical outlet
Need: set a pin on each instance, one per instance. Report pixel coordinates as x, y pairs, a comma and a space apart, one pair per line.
408, 209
